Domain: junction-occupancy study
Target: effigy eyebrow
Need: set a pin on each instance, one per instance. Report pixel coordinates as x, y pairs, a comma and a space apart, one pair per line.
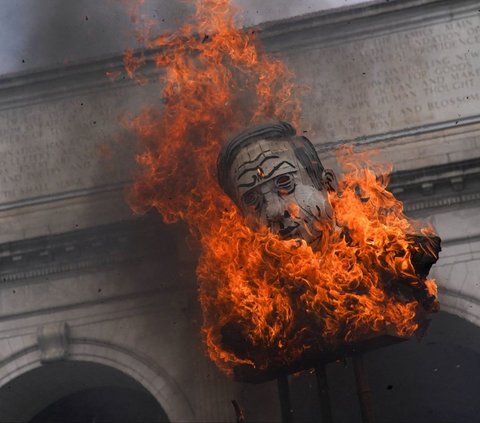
250, 184
249, 169
276, 168
256, 178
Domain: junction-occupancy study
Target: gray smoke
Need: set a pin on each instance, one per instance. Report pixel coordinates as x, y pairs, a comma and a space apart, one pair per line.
49, 33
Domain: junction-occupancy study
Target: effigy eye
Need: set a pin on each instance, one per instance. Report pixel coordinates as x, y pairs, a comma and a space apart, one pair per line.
251, 199
284, 184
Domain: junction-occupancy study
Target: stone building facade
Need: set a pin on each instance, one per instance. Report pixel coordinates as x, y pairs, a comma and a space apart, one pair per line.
93, 297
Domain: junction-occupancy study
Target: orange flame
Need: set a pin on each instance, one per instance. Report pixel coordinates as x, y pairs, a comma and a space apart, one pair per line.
216, 79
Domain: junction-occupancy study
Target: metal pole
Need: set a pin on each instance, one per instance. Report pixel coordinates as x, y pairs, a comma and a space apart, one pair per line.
238, 412
284, 397
363, 389
325, 409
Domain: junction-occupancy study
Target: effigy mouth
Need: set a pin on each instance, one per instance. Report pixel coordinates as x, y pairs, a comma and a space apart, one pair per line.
288, 230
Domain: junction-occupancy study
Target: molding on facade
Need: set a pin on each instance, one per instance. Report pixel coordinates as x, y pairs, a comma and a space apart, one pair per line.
459, 304
139, 367
338, 26
429, 129
65, 195
97, 247
319, 29
421, 190
440, 186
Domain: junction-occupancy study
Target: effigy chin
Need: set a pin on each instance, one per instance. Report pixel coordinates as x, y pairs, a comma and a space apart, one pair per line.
277, 180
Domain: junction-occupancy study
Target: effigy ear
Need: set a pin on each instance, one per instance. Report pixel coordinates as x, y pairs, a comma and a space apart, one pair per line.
329, 180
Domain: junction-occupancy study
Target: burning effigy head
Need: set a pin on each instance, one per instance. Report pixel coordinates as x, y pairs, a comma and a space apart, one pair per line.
293, 266
277, 178
353, 230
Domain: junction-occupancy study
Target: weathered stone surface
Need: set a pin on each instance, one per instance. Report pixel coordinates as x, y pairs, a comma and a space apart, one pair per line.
65, 145
53, 341
390, 82
400, 91
383, 70
394, 77
66, 156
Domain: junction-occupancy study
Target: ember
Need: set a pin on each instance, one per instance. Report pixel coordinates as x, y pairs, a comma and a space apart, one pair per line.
269, 299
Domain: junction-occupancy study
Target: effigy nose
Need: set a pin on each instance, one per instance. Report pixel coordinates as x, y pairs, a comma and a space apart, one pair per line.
275, 208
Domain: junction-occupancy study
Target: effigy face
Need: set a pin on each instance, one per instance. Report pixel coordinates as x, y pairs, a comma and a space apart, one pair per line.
280, 181
276, 178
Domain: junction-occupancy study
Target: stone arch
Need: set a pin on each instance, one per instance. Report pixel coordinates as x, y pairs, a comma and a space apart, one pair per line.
460, 304
153, 378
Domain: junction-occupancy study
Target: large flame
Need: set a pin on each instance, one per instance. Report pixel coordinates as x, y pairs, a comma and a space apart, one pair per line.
276, 295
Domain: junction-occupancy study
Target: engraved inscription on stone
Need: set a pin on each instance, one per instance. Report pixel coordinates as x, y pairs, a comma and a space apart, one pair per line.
391, 82
64, 145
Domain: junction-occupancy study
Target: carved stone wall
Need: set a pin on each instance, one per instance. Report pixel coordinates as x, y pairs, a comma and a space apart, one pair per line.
385, 68
401, 78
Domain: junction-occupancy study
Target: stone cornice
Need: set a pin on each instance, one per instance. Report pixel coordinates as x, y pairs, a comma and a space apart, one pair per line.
133, 241
66, 195
99, 247
426, 130
362, 21
320, 29
19, 90
435, 187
